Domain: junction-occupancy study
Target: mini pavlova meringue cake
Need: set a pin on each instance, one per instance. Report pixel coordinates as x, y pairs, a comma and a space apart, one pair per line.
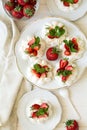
39, 111
66, 72
54, 33
32, 48
40, 72
67, 5
72, 47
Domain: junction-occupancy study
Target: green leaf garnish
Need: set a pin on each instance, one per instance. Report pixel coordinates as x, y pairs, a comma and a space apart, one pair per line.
70, 45
64, 72
69, 1
41, 111
57, 31
36, 43
40, 69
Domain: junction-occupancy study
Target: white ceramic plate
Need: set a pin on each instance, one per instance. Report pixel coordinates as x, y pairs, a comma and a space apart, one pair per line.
70, 15
28, 98
35, 29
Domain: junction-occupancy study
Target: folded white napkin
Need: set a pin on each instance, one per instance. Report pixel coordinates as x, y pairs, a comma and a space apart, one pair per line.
10, 77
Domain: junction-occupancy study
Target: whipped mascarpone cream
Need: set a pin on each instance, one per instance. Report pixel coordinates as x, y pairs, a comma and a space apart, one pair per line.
25, 45
71, 79
28, 111
42, 80
72, 7
54, 41
74, 55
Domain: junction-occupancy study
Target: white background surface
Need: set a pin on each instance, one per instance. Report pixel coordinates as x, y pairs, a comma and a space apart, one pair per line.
78, 91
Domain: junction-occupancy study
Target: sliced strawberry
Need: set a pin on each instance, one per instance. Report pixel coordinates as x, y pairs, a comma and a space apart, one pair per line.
52, 54
34, 115
36, 48
23, 2
67, 53
43, 116
44, 105
66, 4
69, 67
43, 75
64, 78
51, 37
35, 73
74, 40
30, 50
28, 11
63, 63
9, 5
66, 47
35, 53
35, 106
76, 1
31, 41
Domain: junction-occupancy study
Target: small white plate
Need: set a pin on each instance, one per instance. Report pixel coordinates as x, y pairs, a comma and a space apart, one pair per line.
35, 29
70, 15
39, 94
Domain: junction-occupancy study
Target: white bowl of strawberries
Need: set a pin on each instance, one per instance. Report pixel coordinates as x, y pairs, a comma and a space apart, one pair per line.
20, 9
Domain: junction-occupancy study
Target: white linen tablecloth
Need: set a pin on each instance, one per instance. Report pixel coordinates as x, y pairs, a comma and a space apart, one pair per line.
78, 91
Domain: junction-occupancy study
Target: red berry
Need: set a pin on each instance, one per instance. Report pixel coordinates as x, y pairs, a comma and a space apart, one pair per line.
9, 6
66, 47
63, 63
44, 105
33, 2
67, 53
51, 37
76, 1
31, 41
66, 4
23, 2
38, 75
35, 106
52, 53
34, 115
69, 67
28, 11
72, 125
17, 12
64, 78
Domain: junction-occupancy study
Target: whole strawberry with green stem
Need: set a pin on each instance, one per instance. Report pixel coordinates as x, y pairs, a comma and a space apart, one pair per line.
28, 10
23, 2
9, 5
17, 12
72, 125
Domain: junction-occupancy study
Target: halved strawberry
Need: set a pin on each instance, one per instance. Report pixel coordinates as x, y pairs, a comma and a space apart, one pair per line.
36, 48
17, 12
35, 73
66, 4
63, 63
23, 2
44, 105
64, 78
34, 115
34, 53
74, 40
76, 1
43, 75
9, 5
28, 11
43, 116
50, 36
35, 106
69, 67
52, 53
66, 47
67, 53
31, 41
